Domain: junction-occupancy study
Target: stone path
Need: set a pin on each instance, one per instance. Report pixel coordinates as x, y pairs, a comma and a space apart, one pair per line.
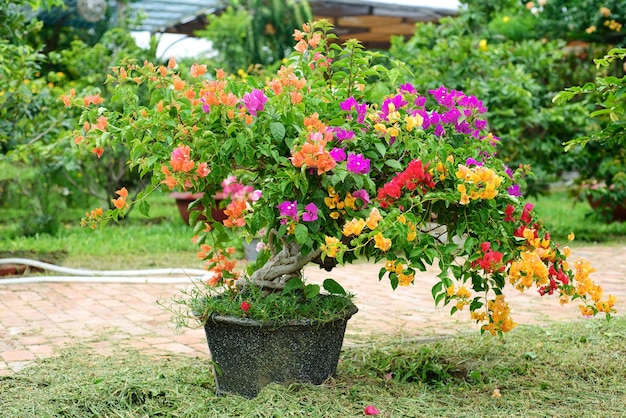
37, 319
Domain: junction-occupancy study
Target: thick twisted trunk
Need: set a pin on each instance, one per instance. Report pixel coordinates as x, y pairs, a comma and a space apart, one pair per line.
284, 265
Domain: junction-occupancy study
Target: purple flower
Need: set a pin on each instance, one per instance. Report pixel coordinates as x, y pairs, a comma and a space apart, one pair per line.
351, 103
342, 134
451, 116
471, 161
408, 88
463, 127
288, 209
254, 101
338, 154
420, 101
348, 104
397, 101
515, 190
363, 195
358, 164
310, 212
205, 107
361, 111
480, 123
438, 130
508, 171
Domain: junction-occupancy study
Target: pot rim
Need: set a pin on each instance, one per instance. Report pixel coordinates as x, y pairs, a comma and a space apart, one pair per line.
249, 322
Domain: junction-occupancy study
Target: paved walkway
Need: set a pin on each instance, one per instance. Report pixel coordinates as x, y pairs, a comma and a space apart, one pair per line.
37, 319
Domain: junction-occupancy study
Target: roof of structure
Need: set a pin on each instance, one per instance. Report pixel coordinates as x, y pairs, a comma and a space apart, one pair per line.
373, 22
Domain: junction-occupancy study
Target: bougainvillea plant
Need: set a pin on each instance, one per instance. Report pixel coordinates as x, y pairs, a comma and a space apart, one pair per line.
342, 170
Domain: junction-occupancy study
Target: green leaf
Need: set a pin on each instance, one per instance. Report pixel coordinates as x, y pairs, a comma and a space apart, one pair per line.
278, 130
437, 288
144, 208
301, 233
333, 287
394, 164
311, 290
293, 284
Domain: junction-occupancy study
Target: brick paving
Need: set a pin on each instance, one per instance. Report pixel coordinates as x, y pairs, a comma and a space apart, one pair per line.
38, 319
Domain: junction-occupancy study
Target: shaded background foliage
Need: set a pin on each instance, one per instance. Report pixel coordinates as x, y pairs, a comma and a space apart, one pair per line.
513, 57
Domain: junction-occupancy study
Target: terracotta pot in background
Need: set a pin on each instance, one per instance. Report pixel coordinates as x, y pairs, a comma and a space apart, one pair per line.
183, 200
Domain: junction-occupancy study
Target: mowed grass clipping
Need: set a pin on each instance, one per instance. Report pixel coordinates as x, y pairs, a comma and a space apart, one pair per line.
575, 369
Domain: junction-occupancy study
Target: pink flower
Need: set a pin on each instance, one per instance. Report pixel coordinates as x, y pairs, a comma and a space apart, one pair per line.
255, 101
371, 410
310, 213
288, 209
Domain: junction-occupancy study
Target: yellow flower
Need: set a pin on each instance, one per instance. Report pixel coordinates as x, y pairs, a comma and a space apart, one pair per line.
571, 236
353, 227
506, 19
463, 292
350, 201
373, 219
591, 29
412, 232
496, 393
482, 44
382, 243
390, 265
413, 121
379, 127
332, 246
605, 11
405, 279
450, 291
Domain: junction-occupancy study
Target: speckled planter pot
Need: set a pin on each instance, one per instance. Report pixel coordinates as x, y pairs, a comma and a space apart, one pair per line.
248, 355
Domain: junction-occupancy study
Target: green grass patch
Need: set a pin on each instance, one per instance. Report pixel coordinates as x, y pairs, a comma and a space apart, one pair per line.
564, 370
563, 214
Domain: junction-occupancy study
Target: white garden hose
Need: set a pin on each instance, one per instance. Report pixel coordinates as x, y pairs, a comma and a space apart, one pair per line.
163, 275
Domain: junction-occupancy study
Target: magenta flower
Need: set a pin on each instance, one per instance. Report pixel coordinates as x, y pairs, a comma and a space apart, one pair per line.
338, 154
408, 88
363, 195
255, 101
358, 164
472, 161
288, 209
343, 135
310, 213
371, 410
515, 190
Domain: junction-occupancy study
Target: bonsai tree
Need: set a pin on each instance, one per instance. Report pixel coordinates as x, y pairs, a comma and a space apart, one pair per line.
341, 170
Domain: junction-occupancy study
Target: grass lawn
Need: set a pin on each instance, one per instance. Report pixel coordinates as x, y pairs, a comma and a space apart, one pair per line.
565, 370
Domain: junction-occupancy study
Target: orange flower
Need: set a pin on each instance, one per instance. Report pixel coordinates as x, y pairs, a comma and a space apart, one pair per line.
198, 70
120, 202
102, 123
98, 151
313, 155
171, 64
67, 101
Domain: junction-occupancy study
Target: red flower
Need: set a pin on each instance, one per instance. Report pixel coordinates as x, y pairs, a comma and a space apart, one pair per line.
245, 306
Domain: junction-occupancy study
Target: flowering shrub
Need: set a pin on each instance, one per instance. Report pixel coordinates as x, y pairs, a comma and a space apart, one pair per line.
603, 179
342, 172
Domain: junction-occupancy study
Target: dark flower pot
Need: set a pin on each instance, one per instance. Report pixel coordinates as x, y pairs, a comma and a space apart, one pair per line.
184, 199
248, 355
617, 213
